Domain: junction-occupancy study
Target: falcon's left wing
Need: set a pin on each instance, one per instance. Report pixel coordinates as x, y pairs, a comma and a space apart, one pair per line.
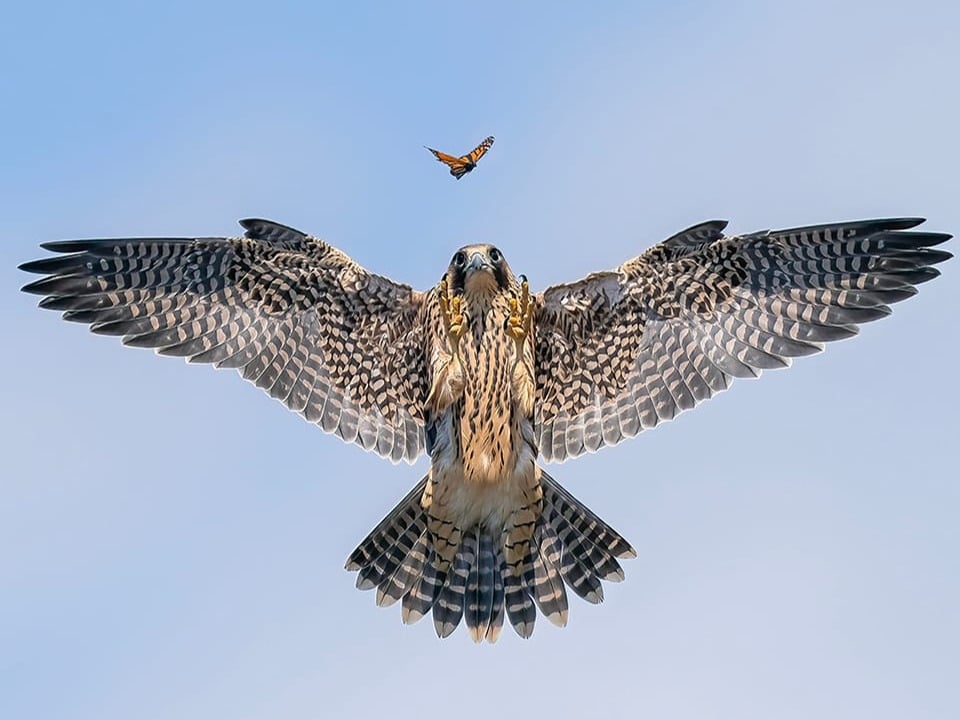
339, 345
622, 351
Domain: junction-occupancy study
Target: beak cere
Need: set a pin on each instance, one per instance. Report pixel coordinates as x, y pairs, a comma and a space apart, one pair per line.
478, 261
480, 275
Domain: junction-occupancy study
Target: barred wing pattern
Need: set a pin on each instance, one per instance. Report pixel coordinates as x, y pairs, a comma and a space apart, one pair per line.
297, 317
619, 352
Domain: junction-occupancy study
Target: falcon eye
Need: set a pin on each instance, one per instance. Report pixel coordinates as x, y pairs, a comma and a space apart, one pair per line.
495, 255
460, 259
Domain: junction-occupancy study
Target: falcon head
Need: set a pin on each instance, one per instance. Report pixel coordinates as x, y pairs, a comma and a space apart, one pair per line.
479, 269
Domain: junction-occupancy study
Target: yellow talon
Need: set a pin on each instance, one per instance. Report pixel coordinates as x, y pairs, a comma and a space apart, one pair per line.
451, 307
520, 317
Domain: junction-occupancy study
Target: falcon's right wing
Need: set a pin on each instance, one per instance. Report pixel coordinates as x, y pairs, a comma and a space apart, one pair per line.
339, 345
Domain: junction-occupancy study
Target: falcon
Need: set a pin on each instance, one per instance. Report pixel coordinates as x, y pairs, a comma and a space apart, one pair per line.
488, 378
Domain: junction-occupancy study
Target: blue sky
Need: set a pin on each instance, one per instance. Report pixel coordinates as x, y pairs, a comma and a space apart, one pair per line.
172, 541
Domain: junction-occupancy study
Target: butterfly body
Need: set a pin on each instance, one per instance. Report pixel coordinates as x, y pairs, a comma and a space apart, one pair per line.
460, 166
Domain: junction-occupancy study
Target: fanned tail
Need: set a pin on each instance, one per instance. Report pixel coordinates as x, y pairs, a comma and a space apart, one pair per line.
571, 547
392, 557
590, 546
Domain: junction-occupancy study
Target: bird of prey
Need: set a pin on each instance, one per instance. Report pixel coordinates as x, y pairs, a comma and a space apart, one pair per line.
460, 166
487, 377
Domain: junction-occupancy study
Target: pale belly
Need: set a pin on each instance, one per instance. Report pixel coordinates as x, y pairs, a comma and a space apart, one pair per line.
486, 468
482, 469
485, 422
489, 504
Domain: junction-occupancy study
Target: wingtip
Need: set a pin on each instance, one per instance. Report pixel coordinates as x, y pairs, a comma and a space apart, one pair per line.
250, 223
39, 287
906, 222
31, 266
889, 223
64, 246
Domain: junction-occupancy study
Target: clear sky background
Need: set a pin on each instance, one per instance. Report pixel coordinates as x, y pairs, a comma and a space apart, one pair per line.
172, 540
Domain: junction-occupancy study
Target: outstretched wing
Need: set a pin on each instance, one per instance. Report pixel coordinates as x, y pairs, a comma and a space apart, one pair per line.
622, 351
458, 166
339, 345
479, 151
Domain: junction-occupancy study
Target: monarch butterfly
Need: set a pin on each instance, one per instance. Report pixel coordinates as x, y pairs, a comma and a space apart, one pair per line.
460, 166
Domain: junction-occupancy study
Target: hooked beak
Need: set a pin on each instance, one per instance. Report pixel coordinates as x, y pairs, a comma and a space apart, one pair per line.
478, 261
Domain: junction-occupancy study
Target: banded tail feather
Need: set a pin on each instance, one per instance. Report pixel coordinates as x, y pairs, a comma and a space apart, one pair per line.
390, 543
572, 548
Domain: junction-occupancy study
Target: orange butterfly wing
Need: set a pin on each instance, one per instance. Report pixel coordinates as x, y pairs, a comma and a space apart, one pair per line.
479, 151
457, 167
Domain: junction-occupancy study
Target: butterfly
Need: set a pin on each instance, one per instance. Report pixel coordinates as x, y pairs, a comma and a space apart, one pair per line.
460, 166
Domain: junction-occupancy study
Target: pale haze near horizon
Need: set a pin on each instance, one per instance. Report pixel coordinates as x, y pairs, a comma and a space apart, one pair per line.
172, 540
